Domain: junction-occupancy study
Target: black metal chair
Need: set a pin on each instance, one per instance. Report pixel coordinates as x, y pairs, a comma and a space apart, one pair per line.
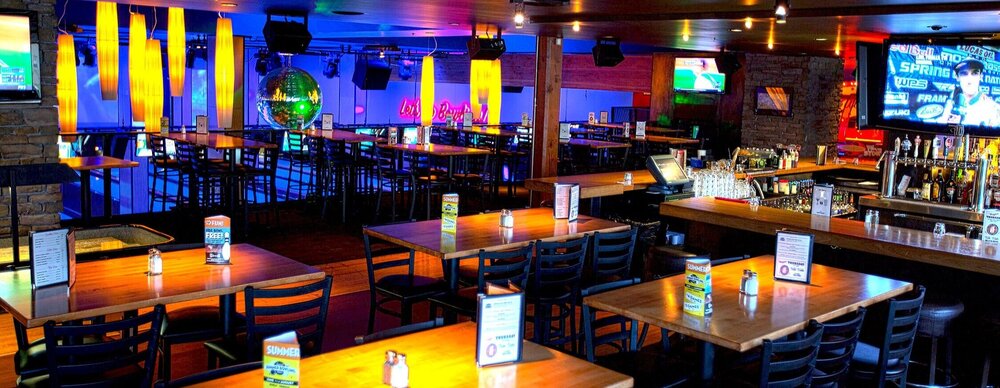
390, 174
125, 356
874, 365
398, 331
840, 337
554, 284
790, 362
611, 259
501, 268
164, 167
406, 289
210, 375
274, 311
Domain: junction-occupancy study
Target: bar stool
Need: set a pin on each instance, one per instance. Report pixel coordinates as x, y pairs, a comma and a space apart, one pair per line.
936, 320
663, 261
989, 331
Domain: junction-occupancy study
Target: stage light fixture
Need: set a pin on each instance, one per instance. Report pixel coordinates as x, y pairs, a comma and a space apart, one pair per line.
405, 69
519, 15
332, 68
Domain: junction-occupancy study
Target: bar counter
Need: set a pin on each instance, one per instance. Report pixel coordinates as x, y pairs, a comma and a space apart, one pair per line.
907, 244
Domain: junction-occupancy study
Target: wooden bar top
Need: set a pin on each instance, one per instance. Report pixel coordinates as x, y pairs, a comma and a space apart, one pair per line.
597, 144
442, 357
81, 163
437, 149
217, 141
483, 231
808, 165
338, 135
112, 286
742, 323
908, 244
595, 185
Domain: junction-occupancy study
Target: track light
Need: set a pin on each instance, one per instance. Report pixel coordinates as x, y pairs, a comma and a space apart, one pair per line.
332, 68
781, 10
519, 15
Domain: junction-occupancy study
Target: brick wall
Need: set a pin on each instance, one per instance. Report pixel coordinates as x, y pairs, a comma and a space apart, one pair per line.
28, 132
815, 83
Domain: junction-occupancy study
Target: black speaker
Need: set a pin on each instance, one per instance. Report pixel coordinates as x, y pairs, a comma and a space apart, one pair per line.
728, 64
870, 75
286, 37
486, 48
608, 53
371, 74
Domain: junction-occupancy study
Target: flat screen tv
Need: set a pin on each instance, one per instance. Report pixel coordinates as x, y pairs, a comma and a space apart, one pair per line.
933, 86
698, 75
19, 74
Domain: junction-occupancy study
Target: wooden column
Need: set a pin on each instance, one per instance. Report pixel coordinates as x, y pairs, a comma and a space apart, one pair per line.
661, 99
548, 85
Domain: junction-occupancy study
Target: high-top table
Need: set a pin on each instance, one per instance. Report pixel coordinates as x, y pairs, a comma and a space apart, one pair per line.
86, 164
441, 357
500, 139
741, 323
347, 137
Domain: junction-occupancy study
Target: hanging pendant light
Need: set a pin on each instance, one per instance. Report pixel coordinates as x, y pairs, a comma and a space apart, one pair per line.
154, 85
107, 48
224, 72
176, 50
66, 89
137, 65
427, 91
493, 106
479, 83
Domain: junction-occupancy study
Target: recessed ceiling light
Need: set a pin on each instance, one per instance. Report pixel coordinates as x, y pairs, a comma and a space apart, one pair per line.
348, 13
227, 5
821, 39
736, 30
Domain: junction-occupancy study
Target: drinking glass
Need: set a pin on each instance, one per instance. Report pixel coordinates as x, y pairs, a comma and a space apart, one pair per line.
939, 229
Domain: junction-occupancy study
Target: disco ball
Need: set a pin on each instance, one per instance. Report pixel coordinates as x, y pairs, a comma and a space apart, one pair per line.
289, 98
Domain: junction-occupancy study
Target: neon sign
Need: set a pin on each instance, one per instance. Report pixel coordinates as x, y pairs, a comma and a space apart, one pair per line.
410, 109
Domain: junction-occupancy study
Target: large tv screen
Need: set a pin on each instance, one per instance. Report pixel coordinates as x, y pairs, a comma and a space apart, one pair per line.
19, 78
699, 75
931, 86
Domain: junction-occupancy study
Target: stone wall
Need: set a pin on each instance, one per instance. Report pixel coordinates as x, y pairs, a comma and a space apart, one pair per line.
816, 86
28, 132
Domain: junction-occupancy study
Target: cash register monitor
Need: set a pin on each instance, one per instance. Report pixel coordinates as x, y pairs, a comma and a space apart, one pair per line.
666, 170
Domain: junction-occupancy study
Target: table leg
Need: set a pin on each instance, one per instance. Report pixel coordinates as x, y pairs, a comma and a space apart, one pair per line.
85, 196
706, 359
595, 206
227, 308
107, 194
452, 274
21, 334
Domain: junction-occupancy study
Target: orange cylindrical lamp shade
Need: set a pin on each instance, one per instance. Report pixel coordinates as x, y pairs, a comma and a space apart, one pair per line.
224, 72
479, 85
427, 91
137, 65
493, 105
176, 50
154, 85
107, 48
66, 89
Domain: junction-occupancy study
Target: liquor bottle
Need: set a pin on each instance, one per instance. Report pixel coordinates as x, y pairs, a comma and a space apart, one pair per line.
925, 188
936, 188
949, 189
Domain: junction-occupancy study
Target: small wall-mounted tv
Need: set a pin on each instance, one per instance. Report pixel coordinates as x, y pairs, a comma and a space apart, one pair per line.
698, 75
19, 74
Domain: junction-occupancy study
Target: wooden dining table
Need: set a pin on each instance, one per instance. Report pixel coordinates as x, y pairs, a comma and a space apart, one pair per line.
441, 357
119, 285
337, 135
501, 138
742, 323
483, 232
84, 165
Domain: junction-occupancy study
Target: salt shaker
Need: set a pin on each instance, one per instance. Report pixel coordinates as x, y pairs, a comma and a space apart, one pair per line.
628, 179
752, 284
390, 358
155, 265
506, 218
400, 373
743, 281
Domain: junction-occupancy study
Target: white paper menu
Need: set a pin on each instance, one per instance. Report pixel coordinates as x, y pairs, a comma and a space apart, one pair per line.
567, 201
201, 124
574, 202
793, 257
604, 117
822, 200
50, 257
564, 131
991, 226
500, 326
640, 129
327, 122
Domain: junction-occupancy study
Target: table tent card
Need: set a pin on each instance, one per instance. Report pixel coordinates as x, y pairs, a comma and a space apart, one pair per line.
698, 287
53, 258
564, 131
281, 361
524, 120
604, 117
640, 129
991, 226
201, 124
567, 201
793, 257
327, 122
164, 125
499, 333
393, 134
218, 238
467, 119
591, 118
822, 200
449, 213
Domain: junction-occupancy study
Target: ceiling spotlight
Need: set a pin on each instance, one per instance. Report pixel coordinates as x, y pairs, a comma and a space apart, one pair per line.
519, 15
781, 10
735, 30
576, 26
405, 69
821, 39
686, 37
748, 23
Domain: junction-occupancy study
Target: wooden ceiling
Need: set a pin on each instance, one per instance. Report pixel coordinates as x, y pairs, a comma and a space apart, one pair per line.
814, 27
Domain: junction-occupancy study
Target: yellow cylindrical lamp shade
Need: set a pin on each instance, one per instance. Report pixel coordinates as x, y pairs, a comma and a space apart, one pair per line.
137, 65
154, 85
479, 84
493, 106
176, 50
427, 91
224, 72
66, 89
107, 48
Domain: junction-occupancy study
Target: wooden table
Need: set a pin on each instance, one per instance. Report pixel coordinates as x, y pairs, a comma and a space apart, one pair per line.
780, 309
655, 129
216, 141
595, 185
442, 357
482, 231
594, 144
902, 243
500, 136
338, 136
440, 150
86, 164
665, 140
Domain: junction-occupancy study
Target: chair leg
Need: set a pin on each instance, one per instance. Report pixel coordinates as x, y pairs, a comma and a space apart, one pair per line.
165, 362
371, 313
405, 313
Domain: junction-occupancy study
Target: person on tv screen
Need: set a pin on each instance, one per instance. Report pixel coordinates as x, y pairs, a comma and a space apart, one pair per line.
968, 105
702, 81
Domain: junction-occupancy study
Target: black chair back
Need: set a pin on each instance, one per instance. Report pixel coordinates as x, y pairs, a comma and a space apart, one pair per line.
624, 339
505, 268
790, 363
612, 257
899, 331
209, 375
296, 143
371, 255
398, 331
559, 265
114, 361
272, 311
836, 348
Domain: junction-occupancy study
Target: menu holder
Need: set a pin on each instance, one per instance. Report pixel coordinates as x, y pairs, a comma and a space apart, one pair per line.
524, 120
467, 119
564, 133
393, 135
53, 258
991, 226
793, 256
327, 122
567, 201
822, 200
164, 125
640, 129
500, 328
201, 124
281, 356
604, 117
591, 118
218, 239
449, 213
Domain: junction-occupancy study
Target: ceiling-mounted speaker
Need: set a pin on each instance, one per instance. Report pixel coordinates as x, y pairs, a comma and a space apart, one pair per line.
729, 63
287, 37
608, 52
486, 48
371, 74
